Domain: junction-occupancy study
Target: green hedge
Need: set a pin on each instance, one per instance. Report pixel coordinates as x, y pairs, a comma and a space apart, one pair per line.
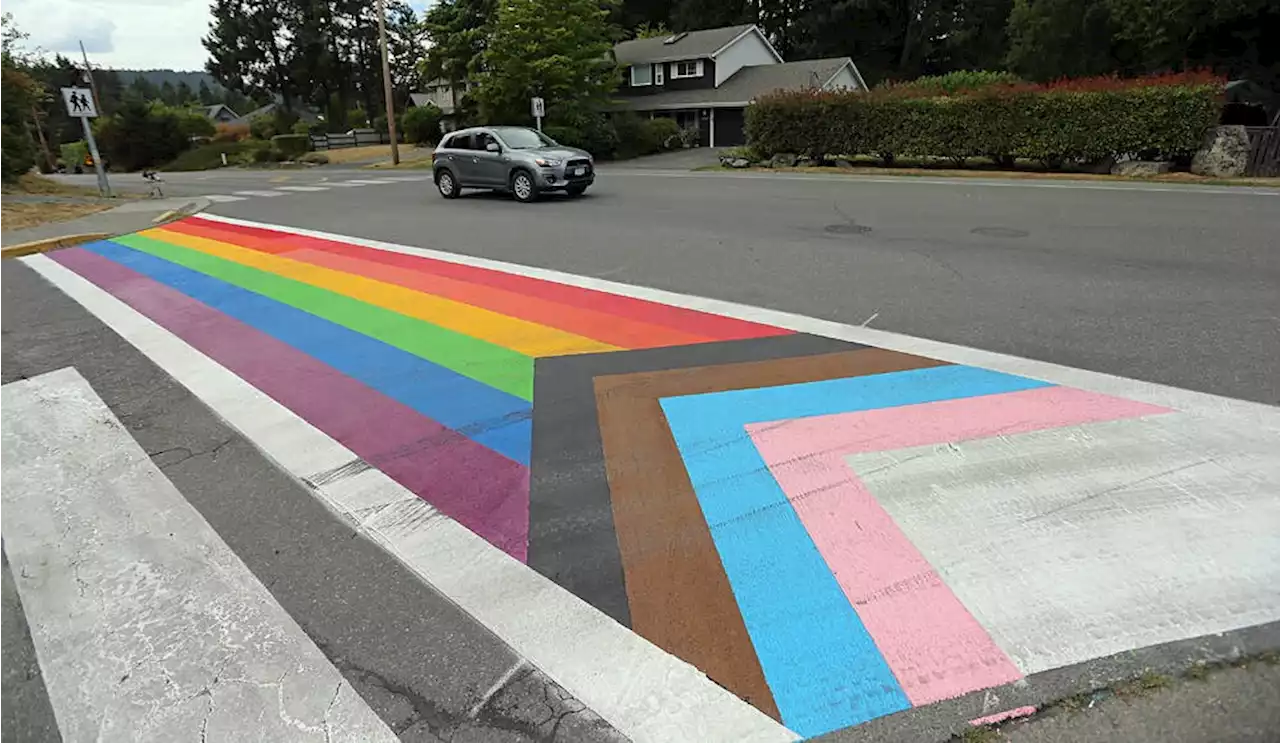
292, 145
1072, 121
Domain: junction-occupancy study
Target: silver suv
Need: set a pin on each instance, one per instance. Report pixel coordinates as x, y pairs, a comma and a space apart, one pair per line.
522, 161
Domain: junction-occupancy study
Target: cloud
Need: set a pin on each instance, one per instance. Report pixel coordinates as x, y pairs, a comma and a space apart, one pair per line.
124, 34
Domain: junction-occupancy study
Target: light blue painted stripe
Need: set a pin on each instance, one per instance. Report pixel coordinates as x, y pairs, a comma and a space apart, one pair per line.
821, 664
488, 416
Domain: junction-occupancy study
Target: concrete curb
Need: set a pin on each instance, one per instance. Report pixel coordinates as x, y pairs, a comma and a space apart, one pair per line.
51, 243
196, 206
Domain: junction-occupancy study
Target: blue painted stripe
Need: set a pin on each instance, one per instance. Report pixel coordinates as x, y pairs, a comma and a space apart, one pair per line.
488, 416
820, 662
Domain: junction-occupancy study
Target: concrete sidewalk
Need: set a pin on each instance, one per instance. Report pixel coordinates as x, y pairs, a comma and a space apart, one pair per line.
130, 216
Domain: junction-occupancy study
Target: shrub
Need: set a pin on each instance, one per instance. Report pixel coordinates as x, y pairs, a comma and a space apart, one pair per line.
140, 135
315, 158
637, 136
1066, 121
292, 146
268, 154
194, 123
263, 127
19, 93
231, 132
587, 131
302, 127
953, 82
73, 153
422, 124
666, 132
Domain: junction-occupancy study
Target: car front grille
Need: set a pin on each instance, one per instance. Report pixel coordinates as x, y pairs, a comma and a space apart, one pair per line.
570, 165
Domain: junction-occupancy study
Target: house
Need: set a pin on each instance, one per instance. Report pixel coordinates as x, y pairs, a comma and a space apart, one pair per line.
220, 114
707, 78
443, 95
304, 114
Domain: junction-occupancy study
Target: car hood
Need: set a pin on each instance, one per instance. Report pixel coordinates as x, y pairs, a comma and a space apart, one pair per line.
558, 153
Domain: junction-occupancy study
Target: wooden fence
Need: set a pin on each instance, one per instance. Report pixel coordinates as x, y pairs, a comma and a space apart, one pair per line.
357, 138
1264, 151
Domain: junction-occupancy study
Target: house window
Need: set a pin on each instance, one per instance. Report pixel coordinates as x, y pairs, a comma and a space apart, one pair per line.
641, 75
659, 72
692, 68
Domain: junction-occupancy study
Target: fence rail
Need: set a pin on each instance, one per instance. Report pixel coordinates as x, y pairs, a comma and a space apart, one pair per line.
358, 138
1264, 151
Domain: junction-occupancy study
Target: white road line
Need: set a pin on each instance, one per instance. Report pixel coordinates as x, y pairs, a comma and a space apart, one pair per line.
410, 179
1243, 412
345, 184
146, 625
368, 182
218, 198
264, 194
307, 189
644, 692
902, 180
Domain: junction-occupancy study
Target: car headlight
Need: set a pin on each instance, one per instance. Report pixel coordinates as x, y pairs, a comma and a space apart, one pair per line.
547, 162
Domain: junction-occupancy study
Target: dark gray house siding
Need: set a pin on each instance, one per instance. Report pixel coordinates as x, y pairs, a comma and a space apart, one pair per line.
708, 79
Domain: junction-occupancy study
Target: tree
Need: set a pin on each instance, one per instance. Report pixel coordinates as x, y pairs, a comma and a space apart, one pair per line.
183, 95
457, 34
140, 135
19, 94
1049, 39
249, 47
168, 94
555, 49
691, 15
206, 95
143, 89
422, 124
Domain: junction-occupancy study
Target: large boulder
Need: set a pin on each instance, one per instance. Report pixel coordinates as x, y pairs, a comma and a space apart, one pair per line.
1141, 168
1224, 153
784, 160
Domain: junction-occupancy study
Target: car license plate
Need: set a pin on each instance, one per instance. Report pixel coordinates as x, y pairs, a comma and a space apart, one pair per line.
579, 171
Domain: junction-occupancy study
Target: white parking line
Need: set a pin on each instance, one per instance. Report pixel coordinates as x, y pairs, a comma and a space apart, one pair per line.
308, 189
345, 184
264, 194
218, 198
370, 182
146, 625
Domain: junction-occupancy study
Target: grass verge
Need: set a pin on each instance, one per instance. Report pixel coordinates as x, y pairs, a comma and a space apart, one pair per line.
38, 185
23, 215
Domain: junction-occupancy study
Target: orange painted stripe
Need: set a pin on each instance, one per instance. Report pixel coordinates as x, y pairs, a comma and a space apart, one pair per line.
600, 326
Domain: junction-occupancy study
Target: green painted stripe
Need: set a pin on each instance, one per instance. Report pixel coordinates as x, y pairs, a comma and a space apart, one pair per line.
480, 360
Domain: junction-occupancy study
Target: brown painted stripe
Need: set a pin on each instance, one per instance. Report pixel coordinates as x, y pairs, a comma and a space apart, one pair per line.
678, 593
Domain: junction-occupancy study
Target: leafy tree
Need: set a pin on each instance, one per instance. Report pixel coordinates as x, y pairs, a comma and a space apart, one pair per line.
206, 95
183, 95
141, 135
1049, 39
457, 34
19, 94
650, 31
248, 47
555, 49
168, 94
691, 15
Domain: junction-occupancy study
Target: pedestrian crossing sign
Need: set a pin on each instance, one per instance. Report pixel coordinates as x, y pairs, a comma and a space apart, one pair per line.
79, 102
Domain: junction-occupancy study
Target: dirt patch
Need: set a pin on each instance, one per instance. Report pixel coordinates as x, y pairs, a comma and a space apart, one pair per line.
18, 216
378, 152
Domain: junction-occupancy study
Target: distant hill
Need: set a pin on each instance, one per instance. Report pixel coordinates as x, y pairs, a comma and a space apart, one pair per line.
173, 77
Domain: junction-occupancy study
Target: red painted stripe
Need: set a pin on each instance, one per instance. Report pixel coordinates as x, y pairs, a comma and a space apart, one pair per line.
589, 323
714, 327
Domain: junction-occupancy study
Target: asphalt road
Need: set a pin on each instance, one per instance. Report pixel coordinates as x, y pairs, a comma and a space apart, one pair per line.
1172, 284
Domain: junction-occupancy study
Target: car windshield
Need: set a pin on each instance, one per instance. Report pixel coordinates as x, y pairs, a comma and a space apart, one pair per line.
519, 138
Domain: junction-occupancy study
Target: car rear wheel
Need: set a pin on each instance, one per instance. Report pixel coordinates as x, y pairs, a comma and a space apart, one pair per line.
447, 184
576, 190
522, 187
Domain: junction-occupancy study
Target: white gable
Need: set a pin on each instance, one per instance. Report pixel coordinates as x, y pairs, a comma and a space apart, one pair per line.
844, 78
748, 49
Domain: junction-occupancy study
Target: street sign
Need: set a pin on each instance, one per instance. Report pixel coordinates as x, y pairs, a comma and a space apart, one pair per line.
79, 102
538, 107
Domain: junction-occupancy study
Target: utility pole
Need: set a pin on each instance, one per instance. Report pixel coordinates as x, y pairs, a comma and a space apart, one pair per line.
93, 84
386, 82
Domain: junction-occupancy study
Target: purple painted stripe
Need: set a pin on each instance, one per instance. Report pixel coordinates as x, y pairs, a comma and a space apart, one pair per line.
483, 490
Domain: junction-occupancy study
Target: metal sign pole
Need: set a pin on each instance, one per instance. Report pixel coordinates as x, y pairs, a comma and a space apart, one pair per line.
104, 188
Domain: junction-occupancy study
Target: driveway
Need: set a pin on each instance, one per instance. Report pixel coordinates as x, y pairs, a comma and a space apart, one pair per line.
678, 160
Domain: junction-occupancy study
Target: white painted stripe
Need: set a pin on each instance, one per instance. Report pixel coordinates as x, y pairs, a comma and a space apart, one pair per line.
308, 189
1242, 412
903, 180
345, 184
368, 182
644, 692
146, 625
409, 179
264, 194
218, 198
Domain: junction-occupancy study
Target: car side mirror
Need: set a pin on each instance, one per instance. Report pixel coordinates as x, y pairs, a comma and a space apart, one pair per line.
493, 147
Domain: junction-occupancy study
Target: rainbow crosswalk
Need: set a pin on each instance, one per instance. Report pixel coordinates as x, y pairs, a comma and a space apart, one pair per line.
422, 367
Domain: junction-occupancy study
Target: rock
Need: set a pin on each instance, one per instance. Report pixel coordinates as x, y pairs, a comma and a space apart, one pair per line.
784, 160
805, 162
1100, 166
739, 162
842, 163
1140, 168
1223, 154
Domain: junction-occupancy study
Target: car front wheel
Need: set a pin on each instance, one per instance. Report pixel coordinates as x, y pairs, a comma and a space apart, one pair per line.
523, 188
447, 184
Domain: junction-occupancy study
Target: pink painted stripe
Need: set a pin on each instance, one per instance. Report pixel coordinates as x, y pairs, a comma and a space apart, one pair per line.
934, 646
483, 490
1008, 714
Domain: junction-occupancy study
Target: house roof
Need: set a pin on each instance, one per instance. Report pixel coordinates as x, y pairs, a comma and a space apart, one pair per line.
420, 99
212, 111
746, 85
691, 45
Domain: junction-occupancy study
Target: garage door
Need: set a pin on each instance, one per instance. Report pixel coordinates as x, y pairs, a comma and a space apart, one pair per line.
729, 127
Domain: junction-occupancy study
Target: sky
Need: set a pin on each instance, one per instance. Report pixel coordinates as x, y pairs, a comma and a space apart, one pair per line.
123, 34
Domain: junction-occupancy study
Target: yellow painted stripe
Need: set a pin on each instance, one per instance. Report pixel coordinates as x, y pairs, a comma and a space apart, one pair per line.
522, 336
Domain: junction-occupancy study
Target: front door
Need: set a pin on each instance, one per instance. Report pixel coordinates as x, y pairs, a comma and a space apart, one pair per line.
490, 167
